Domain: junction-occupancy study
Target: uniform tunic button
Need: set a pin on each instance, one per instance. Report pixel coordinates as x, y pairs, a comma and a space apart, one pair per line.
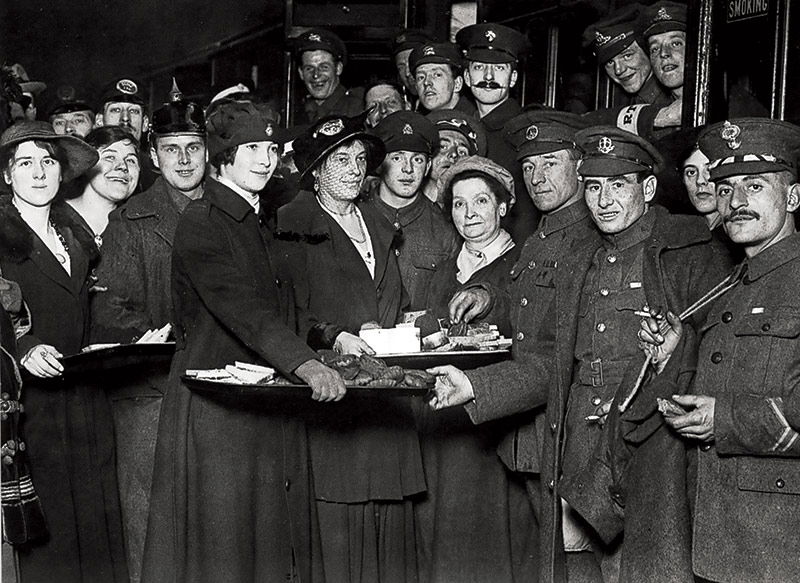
520, 336
604, 291
716, 358
705, 447
553, 427
765, 327
601, 327
596, 400
542, 235
531, 264
780, 483
612, 259
287, 484
396, 225
278, 282
523, 302
727, 317
551, 484
397, 252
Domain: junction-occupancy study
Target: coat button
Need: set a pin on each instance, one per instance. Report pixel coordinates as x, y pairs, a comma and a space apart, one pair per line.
596, 400
551, 484
523, 302
520, 336
716, 358
780, 483
397, 252
531, 264
601, 327
611, 259
287, 484
553, 427
542, 235
765, 327
727, 317
396, 225
604, 291
705, 447
277, 283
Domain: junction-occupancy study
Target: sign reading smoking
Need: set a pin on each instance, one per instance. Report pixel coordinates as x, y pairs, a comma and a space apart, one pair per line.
746, 9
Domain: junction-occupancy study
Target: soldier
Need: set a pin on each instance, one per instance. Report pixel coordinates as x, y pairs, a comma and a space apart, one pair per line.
743, 414
406, 41
437, 73
382, 98
321, 57
134, 274
122, 105
641, 256
428, 238
492, 52
71, 114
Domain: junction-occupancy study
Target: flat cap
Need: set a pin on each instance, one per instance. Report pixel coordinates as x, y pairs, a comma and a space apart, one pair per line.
69, 100
409, 131
542, 131
320, 39
610, 151
124, 90
466, 125
410, 38
435, 53
750, 145
664, 16
481, 164
491, 43
233, 123
178, 116
615, 33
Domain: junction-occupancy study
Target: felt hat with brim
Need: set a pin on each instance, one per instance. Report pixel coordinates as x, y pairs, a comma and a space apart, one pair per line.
610, 151
324, 136
466, 125
25, 84
484, 165
80, 155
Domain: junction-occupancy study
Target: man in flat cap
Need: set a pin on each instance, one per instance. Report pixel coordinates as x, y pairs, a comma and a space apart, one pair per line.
493, 52
428, 237
436, 69
742, 413
321, 56
639, 257
134, 276
71, 113
403, 44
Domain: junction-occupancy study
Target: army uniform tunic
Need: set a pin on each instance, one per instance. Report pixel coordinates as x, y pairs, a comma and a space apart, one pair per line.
346, 102
747, 517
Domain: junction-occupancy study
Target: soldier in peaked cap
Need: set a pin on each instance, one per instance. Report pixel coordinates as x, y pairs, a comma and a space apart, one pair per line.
402, 45
321, 56
428, 238
665, 33
122, 105
436, 69
71, 113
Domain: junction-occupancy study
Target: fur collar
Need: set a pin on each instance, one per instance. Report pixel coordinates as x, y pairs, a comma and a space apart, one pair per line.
16, 239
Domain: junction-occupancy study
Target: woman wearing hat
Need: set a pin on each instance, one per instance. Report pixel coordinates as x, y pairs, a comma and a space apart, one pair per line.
473, 518
364, 454
68, 426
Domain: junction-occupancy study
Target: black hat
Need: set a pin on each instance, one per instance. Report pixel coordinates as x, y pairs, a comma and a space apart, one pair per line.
612, 35
233, 123
80, 155
610, 151
409, 38
68, 100
327, 134
320, 39
409, 131
664, 16
491, 43
543, 131
25, 84
178, 116
122, 91
750, 145
467, 126
435, 53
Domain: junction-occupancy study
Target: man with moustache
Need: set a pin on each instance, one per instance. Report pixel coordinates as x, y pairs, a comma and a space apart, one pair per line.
492, 52
122, 105
428, 237
436, 68
321, 57
134, 295
640, 256
742, 413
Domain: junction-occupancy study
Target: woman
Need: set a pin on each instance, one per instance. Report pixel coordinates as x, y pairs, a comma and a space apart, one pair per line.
697, 181
231, 494
68, 426
112, 180
364, 453
474, 524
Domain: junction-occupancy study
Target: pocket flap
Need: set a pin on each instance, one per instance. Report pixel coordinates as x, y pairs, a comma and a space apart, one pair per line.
778, 475
781, 323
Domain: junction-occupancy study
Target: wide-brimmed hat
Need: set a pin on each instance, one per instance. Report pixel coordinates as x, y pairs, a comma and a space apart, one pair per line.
80, 155
484, 165
327, 134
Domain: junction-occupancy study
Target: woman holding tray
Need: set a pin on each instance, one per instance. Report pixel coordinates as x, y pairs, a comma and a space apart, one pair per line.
68, 426
364, 453
475, 523
231, 498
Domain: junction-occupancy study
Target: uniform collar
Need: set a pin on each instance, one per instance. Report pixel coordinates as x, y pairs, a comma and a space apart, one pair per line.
773, 257
496, 119
404, 216
636, 233
563, 218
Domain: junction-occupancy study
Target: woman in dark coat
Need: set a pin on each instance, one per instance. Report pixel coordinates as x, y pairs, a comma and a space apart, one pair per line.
68, 426
364, 453
231, 493
475, 523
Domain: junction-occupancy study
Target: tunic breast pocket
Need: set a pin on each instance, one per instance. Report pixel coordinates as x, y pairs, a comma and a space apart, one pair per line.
427, 259
766, 344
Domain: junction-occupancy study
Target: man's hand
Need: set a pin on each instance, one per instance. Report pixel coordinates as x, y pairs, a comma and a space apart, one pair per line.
42, 361
658, 343
669, 116
452, 388
326, 384
698, 422
468, 304
347, 343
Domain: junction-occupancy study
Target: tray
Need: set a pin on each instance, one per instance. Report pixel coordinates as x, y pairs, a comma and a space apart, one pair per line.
119, 356
463, 359
223, 389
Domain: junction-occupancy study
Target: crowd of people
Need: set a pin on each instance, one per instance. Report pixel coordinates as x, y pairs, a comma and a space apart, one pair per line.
644, 428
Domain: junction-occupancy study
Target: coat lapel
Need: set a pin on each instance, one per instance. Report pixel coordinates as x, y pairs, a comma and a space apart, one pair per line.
49, 265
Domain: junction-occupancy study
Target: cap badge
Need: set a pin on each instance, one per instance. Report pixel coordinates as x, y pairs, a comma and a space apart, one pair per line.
332, 127
66, 93
127, 87
315, 38
730, 133
600, 39
408, 130
531, 133
663, 14
490, 35
605, 145
269, 131
428, 51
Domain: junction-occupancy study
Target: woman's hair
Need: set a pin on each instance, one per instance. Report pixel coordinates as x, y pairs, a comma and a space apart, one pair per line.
106, 135
498, 190
52, 148
226, 156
